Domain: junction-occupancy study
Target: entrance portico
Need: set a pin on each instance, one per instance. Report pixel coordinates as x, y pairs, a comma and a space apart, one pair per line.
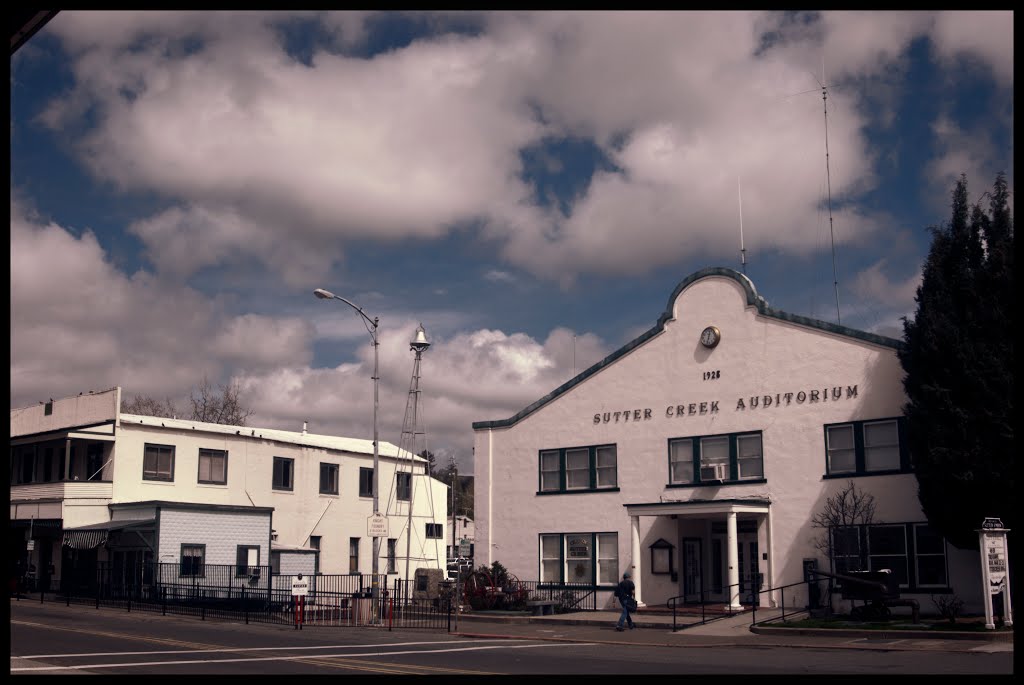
742, 560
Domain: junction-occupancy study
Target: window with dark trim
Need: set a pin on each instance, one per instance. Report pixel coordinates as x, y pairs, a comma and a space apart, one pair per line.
247, 560
284, 473
193, 560
586, 558
859, 448
727, 458
213, 466
365, 482
392, 554
48, 409
314, 543
435, 531
403, 486
329, 478
578, 469
353, 555
914, 552
157, 462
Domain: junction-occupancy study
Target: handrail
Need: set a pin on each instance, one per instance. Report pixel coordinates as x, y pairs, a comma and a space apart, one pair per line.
673, 604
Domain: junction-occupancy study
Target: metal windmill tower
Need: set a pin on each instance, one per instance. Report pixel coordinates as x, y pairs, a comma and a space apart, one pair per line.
413, 439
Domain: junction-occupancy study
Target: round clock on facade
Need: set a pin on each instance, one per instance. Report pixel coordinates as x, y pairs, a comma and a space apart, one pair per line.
710, 336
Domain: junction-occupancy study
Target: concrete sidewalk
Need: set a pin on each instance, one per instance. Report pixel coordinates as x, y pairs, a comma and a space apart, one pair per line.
655, 629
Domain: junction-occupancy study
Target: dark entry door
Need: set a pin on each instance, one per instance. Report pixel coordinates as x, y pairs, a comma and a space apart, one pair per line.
693, 563
749, 576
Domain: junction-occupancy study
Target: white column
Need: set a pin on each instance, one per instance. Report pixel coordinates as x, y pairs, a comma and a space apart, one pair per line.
732, 553
634, 568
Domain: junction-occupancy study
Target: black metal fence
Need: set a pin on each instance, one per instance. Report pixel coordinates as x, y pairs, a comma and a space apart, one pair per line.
253, 594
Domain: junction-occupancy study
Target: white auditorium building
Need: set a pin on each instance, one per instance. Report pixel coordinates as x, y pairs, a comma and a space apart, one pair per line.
697, 455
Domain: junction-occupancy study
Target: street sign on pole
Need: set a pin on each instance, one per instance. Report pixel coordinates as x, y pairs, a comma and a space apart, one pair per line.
31, 545
377, 526
300, 586
464, 547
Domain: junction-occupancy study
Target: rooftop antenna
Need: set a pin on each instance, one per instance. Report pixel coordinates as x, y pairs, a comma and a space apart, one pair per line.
743, 250
828, 176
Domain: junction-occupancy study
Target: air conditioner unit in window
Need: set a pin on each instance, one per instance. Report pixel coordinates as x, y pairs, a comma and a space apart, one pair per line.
714, 472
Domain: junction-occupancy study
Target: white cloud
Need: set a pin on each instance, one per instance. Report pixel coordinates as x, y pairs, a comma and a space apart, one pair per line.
986, 36
472, 376
254, 146
77, 323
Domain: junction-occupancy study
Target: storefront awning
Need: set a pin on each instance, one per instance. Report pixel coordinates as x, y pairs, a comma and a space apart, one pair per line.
84, 539
92, 536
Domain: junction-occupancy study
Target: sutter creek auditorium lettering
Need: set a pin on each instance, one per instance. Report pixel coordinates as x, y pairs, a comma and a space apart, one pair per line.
779, 399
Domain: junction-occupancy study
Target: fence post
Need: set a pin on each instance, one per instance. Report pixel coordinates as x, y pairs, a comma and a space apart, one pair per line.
245, 604
163, 597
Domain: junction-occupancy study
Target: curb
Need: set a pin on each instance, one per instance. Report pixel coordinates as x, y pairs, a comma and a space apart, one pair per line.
1000, 636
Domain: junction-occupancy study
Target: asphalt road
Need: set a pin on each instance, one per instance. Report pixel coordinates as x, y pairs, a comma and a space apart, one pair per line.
54, 639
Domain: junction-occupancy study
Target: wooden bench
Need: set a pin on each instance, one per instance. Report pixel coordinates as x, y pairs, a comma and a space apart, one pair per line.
542, 607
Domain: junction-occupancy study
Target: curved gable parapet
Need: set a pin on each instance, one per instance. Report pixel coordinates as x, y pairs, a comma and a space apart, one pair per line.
752, 298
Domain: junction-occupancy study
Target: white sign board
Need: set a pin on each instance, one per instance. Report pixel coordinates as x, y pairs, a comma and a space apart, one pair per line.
300, 586
377, 526
995, 558
464, 548
31, 545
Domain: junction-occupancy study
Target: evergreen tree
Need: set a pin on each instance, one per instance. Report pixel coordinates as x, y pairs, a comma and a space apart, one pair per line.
958, 359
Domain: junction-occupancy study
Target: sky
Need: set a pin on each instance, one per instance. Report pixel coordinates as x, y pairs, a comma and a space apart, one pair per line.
528, 186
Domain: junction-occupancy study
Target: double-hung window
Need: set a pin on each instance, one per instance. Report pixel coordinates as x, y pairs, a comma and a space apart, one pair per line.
714, 458
929, 557
213, 466
403, 486
365, 482
550, 471
392, 554
728, 458
578, 469
865, 447
353, 555
328, 478
887, 549
247, 560
157, 462
435, 531
284, 473
193, 560
579, 558
913, 552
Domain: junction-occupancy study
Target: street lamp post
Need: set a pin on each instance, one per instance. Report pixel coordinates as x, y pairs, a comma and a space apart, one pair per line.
327, 295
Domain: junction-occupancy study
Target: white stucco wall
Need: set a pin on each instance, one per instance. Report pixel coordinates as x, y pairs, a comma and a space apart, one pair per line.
758, 356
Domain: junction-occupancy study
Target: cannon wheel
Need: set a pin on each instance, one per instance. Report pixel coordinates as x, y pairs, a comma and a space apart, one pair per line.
479, 591
516, 592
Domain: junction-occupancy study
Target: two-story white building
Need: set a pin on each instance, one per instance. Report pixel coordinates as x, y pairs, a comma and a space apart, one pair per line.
697, 455
89, 483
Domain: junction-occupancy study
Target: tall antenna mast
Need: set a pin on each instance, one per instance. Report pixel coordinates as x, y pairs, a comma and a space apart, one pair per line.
828, 175
743, 251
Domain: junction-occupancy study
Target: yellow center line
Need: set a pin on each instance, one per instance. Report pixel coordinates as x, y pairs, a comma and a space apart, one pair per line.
339, 662
124, 636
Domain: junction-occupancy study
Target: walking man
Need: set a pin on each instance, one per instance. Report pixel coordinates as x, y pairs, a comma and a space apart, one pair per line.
624, 593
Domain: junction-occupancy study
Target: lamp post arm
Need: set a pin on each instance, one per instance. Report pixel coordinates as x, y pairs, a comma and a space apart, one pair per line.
372, 322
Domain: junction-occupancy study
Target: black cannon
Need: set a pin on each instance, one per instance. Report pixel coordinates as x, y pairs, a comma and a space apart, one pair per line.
879, 590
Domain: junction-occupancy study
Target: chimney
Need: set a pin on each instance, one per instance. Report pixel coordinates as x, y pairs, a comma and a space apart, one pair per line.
304, 427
